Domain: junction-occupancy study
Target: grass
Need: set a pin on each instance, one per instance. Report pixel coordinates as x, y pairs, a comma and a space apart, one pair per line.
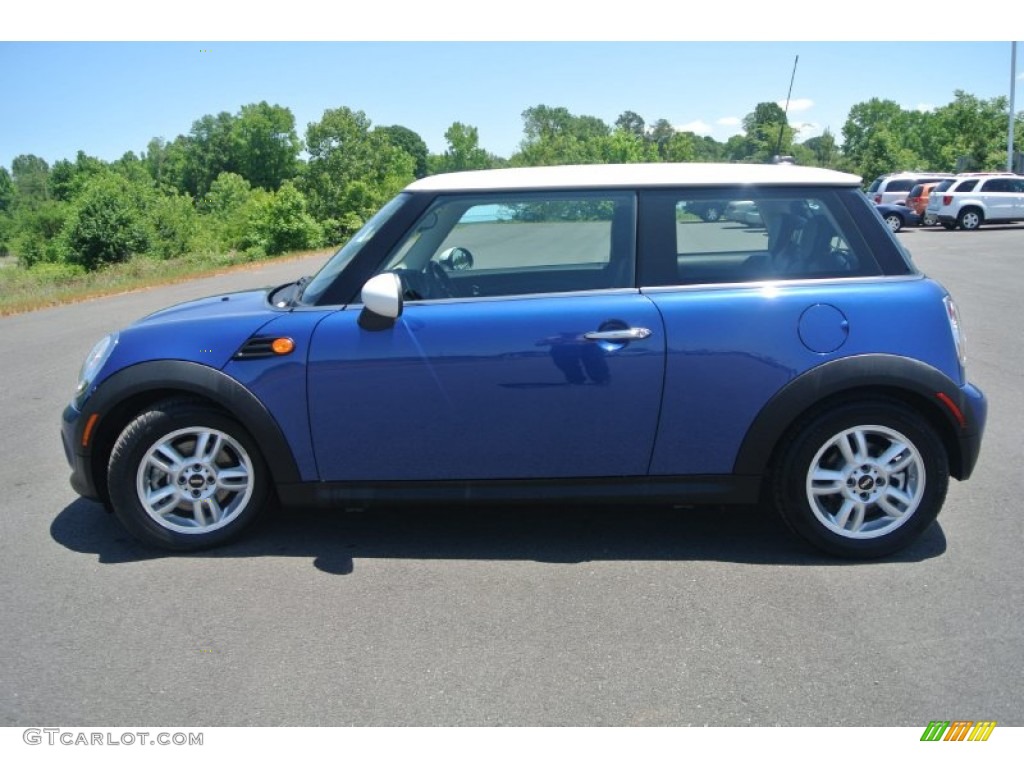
23, 290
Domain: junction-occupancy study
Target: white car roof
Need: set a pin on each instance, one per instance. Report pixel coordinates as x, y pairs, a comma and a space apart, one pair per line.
633, 175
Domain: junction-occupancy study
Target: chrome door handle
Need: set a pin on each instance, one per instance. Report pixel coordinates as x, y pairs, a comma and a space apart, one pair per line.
620, 334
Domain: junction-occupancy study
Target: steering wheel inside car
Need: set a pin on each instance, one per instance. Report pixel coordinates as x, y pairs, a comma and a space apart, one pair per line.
442, 284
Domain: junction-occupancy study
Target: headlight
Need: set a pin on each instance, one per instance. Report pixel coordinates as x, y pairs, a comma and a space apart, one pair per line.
92, 365
953, 314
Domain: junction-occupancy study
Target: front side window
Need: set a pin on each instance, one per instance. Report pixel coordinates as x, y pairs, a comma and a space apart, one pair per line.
518, 243
773, 235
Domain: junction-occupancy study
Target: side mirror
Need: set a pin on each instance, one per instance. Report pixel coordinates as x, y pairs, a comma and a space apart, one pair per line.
456, 259
382, 301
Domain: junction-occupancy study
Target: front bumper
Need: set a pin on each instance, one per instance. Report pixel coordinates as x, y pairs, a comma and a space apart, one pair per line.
82, 480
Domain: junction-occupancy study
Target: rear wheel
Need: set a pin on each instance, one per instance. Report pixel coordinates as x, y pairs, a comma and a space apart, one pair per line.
186, 476
969, 218
894, 222
712, 213
862, 480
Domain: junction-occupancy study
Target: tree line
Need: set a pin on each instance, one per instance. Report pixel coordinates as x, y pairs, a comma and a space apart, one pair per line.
246, 182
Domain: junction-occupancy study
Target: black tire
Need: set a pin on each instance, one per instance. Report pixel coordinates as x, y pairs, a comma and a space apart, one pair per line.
712, 213
970, 219
894, 221
863, 484
204, 474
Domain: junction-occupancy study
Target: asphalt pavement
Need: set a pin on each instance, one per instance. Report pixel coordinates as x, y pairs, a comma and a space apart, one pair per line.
526, 616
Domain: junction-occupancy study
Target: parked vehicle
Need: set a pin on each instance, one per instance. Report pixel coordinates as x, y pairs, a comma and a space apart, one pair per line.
917, 199
553, 333
898, 216
744, 212
976, 199
708, 210
895, 187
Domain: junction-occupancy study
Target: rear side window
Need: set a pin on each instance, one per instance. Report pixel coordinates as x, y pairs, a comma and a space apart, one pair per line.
773, 235
899, 185
942, 186
967, 185
997, 185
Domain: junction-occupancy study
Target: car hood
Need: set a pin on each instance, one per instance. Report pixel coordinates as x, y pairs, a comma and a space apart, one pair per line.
234, 304
207, 331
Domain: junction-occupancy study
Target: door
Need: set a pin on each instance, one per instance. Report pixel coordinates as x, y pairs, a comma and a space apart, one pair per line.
497, 368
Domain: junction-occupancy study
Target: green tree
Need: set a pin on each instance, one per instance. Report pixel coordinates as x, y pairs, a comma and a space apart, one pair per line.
66, 179
264, 147
553, 136
627, 147
872, 141
30, 175
281, 223
6, 190
464, 152
351, 171
410, 142
973, 133
171, 225
631, 122
822, 150
768, 133
660, 134
106, 224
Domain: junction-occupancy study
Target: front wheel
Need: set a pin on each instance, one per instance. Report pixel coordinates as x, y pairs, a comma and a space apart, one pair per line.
862, 480
186, 476
894, 222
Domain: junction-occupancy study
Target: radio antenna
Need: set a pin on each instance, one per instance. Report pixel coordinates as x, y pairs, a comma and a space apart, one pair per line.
785, 112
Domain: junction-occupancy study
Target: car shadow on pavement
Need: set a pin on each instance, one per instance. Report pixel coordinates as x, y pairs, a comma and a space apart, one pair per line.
337, 540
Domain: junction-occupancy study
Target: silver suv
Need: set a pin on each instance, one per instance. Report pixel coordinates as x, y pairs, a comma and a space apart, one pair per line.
978, 198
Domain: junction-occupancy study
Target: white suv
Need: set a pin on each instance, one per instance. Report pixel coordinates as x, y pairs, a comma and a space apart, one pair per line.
978, 198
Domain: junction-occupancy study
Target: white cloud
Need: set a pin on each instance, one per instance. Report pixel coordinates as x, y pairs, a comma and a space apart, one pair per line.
797, 105
925, 108
698, 127
729, 122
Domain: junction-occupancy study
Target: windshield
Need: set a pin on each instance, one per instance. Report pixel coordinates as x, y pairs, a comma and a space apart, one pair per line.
335, 266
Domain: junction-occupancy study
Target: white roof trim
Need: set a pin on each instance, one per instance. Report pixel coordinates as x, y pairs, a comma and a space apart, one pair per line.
633, 175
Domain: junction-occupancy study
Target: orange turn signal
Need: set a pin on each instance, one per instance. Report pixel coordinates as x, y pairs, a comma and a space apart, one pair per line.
282, 346
87, 432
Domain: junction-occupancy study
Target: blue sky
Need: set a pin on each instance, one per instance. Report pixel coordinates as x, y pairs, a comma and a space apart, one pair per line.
107, 98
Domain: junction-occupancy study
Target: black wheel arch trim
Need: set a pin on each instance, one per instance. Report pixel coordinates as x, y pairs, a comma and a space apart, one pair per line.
878, 373
170, 378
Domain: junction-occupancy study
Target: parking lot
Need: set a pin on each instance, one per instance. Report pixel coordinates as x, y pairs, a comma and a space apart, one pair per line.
527, 616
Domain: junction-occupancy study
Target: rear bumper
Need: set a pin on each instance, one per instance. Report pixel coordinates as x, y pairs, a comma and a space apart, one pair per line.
974, 406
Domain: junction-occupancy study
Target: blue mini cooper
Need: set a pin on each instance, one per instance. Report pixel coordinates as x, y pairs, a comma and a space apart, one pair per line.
561, 333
